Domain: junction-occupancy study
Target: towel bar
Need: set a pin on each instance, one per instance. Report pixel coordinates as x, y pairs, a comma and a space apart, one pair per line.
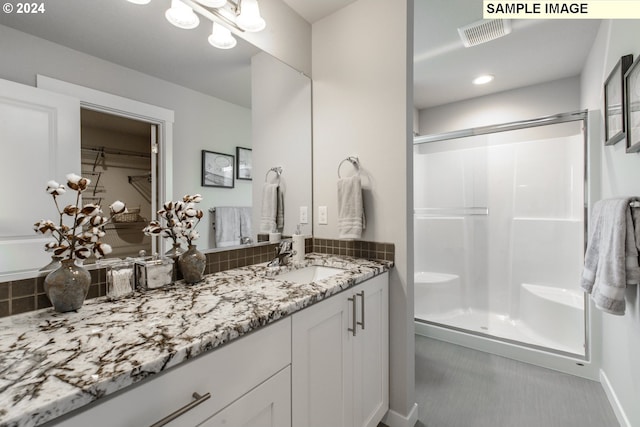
353, 160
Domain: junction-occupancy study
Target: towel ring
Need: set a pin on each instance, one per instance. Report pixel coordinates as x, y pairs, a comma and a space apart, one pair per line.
278, 172
354, 161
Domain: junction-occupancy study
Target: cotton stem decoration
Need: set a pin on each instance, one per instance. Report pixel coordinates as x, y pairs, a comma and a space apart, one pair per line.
178, 220
81, 238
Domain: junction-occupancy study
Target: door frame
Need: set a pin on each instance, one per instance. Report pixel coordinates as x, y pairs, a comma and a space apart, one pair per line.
163, 118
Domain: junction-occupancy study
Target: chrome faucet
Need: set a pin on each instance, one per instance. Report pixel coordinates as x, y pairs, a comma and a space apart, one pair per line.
283, 252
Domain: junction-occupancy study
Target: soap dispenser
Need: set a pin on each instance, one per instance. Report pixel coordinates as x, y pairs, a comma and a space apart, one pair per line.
298, 245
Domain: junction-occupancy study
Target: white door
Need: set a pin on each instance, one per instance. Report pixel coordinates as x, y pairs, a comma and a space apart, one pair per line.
268, 405
371, 352
321, 387
40, 140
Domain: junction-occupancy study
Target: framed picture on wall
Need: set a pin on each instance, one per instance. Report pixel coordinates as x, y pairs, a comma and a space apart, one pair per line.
632, 92
614, 105
217, 169
243, 163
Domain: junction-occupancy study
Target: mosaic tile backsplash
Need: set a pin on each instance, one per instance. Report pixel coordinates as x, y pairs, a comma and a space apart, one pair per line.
25, 295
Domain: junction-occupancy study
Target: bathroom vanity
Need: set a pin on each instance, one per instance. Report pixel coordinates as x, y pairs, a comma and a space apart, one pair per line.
248, 346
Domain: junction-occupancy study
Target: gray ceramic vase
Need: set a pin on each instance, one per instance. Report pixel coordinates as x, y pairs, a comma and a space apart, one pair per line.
192, 264
54, 264
174, 253
67, 287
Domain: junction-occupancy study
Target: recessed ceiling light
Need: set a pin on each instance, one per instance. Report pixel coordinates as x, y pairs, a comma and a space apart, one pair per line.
484, 79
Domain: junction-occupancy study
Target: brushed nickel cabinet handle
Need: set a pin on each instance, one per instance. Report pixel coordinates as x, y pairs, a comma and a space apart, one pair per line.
353, 316
361, 294
186, 408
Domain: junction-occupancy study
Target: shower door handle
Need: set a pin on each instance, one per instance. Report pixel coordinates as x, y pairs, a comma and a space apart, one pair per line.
353, 315
361, 294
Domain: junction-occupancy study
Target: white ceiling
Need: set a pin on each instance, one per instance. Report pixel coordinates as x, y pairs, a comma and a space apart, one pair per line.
139, 37
536, 51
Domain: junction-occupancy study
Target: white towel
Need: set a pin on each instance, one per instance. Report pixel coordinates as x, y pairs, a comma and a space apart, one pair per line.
227, 226
269, 209
351, 219
611, 260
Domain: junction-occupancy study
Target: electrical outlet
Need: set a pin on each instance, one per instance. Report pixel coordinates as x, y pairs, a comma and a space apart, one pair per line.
322, 215
304, 216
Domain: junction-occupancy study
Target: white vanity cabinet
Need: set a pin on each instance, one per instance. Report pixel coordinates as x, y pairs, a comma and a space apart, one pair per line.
248, 381
340, 358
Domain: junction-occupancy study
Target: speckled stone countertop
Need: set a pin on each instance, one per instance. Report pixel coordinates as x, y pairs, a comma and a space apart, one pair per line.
52, 363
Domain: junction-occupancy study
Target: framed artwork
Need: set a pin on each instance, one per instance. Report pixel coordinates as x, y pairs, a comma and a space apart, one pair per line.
632, 92
243, 163
614, 105
217, 169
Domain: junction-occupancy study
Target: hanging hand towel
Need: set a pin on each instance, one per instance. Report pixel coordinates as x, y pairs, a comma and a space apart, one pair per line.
280, 210
269, 207
351, 219
227, 226
611, 260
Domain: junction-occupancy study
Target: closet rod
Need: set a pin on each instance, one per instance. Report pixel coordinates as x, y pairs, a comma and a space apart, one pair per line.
116, 152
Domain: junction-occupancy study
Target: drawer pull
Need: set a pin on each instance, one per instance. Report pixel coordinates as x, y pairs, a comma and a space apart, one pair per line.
183, 410
361, 294
353, 316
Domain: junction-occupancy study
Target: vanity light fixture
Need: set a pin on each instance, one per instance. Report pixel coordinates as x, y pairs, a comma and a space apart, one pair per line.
249, 18
212, 3
484, 79
241, 15
181, 15
221, 37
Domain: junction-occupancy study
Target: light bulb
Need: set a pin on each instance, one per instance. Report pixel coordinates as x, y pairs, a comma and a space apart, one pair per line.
249, 18
181, 15
139, 1
221, 37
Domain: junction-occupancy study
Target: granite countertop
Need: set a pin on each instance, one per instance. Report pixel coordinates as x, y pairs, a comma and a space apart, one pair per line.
52, 363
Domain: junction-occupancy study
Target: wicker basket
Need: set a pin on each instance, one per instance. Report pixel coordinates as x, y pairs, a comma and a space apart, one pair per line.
131, 215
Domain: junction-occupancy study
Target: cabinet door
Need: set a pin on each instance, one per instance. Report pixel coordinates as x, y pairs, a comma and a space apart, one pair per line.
268, 405
371, 352
321, 364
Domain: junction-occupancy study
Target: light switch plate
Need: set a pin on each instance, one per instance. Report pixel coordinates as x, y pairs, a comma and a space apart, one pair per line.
322, 215
304, 216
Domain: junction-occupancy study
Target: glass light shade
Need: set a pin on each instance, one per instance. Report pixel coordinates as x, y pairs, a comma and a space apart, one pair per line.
181, 15
221, 37
249, 18
212, 3
139, 1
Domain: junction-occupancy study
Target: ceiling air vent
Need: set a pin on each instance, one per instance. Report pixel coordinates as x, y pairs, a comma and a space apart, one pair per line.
484, 31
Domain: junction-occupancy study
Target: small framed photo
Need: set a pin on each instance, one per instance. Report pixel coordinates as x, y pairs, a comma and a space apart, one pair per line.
217, 169
243, 163
632, 92
614, 106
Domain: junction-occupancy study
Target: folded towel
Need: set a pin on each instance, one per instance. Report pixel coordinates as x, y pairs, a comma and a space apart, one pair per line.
227, 220
611, 260
269, 208
351, 219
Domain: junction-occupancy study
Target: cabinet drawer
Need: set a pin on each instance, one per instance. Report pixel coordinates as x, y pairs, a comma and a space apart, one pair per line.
227, 373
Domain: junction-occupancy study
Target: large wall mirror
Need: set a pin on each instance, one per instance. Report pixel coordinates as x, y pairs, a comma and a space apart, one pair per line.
226, 103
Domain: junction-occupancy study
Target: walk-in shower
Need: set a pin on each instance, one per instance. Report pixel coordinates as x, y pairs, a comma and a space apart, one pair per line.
499, 233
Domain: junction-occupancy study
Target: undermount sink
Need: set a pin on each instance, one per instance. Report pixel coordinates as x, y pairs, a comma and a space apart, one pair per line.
312, 273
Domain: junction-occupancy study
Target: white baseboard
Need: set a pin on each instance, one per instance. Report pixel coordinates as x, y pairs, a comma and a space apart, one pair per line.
394, 419
613, 400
